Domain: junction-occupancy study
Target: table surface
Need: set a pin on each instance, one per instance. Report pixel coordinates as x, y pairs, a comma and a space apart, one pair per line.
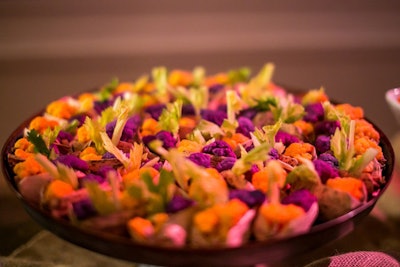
360, 77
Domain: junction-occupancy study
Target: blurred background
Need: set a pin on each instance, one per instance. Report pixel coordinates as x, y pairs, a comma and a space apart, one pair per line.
49, 49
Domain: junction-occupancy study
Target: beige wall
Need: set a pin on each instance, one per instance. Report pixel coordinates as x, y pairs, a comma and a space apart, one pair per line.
97, 28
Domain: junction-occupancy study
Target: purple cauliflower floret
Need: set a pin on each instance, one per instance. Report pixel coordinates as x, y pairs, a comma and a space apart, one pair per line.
251, 198
104, 170
245, 127
249, 174
273, 153
322, 144
90, 177
73, 162
326, 127
99, 106
83, 209
302, 198
79, 117
249, 113
155, 110
201, 159
130, 129
215, 88
286, 138
178, 203
329, 158
314, 112
325, 170
158, 166
63, 135
108, 155
219, 148
188, 110
215, 116
225, 164
167, 138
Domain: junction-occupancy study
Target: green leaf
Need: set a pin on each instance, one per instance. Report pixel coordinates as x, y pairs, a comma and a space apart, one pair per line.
170, 116
255, 156
266, 103
107, 91
159, 75
255, 89
239, 75
94, 129
40, 145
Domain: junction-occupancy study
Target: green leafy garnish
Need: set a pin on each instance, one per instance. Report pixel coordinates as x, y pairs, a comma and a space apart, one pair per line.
287, 110
255, 89
170, 116
107, 91
239, 75
257, 155
39, 144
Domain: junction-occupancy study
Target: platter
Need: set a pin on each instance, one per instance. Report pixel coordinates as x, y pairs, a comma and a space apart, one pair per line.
271, 251
264, 227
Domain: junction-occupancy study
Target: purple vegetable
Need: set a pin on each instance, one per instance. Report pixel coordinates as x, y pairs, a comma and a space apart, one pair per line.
188, 110
302, 198
251, 198
91, 178
223, 108
83, 209
225, 164
249, 174
326, 127
73, 162
273, 153
178, 203
130, 129
99, 106
215, 88
286, 138
248, 146
314, 112
63, 135
219, 148
108, 155
155, 110
325, 170
322, 144
104, 170
164, 136
79, 117
158, 165
249, 113
201, 159
245, 127
215, 116
329, 158
167, 138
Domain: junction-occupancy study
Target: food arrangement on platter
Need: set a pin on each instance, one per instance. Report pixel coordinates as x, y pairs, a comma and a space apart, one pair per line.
189, 159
